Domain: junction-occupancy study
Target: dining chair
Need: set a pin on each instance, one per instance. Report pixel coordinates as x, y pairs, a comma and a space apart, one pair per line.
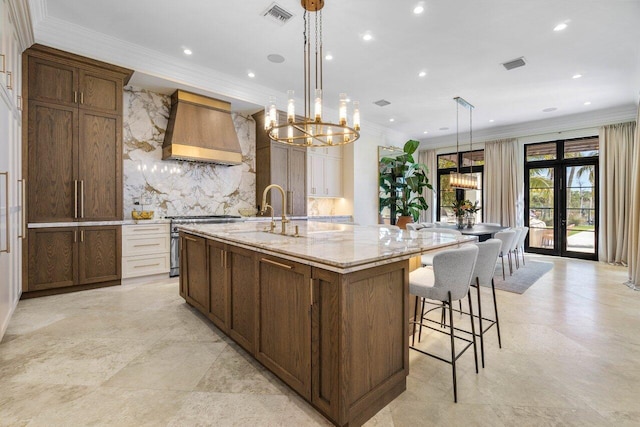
415, 226
506, 237
427, 224
512, 250
488, 252
520, 245
448, 281
427, 259
494, 224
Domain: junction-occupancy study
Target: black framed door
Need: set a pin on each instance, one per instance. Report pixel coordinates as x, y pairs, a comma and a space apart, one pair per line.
562, 198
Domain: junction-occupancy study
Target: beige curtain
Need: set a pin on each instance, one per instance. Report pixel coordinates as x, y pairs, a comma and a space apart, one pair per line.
503, 178
616, 155
430, 158
634, 213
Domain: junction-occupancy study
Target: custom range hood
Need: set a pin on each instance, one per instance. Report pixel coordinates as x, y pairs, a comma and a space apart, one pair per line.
200, 129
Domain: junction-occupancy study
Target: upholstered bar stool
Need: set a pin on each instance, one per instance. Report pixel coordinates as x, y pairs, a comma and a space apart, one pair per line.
506, 237
488, 252
448, 281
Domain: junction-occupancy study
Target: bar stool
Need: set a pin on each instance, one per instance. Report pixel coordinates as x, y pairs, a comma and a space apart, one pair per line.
448, 281
488, 252
507, 240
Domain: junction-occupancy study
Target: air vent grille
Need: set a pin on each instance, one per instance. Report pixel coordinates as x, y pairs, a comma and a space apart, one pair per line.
510, 65
277, 14
382, 103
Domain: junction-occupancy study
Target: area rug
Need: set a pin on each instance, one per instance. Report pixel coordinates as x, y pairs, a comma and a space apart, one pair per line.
522, 278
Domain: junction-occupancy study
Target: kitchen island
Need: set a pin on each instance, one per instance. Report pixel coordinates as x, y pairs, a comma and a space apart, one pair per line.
325, 307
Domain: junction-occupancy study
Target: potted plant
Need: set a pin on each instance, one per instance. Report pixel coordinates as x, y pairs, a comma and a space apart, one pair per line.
460, 208
402, 181
471, 213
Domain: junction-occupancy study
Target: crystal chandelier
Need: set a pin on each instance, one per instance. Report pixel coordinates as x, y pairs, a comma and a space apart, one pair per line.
312, 130
456, 179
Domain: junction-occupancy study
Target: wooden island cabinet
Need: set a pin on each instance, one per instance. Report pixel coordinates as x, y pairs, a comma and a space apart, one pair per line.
327, 311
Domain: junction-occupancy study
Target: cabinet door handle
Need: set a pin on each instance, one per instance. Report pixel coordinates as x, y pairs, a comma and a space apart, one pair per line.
81, 97
82, 235
277, 264
146, 229
4, 63
75, 236
75, 96
311, 292
19, 103
147, 244
9, 80
6, 197
23, 207
82, 198
190, 239
146, 265
75, 198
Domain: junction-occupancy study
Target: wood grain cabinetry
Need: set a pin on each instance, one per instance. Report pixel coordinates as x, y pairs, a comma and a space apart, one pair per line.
71, 256
74, 137
72, 162
339, 340
280, 164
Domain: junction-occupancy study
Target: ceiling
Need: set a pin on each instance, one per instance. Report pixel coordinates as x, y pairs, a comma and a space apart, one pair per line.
460, 44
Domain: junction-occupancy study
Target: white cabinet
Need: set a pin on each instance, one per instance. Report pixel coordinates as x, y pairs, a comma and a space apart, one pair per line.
145, 250
324, 172
12, 226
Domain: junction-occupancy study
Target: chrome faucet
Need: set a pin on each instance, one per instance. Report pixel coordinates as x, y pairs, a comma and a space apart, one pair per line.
266, 206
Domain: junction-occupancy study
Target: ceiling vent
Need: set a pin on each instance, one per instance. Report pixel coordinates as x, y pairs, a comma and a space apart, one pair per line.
277, 14
510, 65
382, 103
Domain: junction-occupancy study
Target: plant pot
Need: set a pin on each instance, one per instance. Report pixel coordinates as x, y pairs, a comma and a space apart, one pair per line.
403, 221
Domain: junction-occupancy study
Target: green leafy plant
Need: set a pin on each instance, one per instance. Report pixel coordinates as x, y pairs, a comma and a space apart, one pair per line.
402, 181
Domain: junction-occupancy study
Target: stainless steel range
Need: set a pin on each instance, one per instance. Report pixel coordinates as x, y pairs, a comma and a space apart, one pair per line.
201, 219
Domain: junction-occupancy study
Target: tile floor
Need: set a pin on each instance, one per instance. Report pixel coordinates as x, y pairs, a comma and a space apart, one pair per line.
138, 355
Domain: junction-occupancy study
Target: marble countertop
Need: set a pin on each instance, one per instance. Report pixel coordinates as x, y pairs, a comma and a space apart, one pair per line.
337, 247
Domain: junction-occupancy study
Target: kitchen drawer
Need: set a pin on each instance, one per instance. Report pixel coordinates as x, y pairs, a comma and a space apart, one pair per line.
138, 229
145, 265
145, 244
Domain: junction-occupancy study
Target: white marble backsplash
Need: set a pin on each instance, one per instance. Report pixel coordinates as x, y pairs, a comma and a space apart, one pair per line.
171, 187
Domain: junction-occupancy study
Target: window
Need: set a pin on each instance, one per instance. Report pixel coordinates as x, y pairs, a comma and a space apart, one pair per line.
471, 163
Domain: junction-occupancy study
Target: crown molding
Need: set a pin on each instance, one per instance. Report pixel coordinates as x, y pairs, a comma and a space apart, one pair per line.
527, 130
22, 19
38, 10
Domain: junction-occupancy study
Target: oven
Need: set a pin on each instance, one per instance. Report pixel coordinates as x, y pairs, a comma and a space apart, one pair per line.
179, 220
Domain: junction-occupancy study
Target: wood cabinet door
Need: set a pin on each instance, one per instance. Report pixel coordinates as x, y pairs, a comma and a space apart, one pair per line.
99, 91
100, 166
284, 339
297, 181
279, 175
53, 82
243, 295
52, 258
52, 162
99, 252
195, 251
218, 285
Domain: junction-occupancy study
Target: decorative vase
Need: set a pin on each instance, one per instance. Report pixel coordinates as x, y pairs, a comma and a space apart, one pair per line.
471, 220
403, 221
460, 222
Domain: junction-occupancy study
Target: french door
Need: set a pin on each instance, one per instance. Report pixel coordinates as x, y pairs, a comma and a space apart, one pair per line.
561, 183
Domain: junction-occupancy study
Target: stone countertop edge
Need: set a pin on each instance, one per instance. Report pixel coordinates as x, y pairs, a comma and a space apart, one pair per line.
242, 238
97, 223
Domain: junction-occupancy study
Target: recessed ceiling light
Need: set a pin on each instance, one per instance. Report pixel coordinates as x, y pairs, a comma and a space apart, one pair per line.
561, 26
367, 37
550, 109
576, 76
275, 58
425, 132
491, 120
392, 120
187, 52
587, 103
251, 74
418, 9
422, 73
328, 57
